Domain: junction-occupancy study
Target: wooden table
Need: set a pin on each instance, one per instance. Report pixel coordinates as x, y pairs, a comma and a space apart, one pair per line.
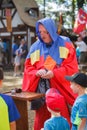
21, 100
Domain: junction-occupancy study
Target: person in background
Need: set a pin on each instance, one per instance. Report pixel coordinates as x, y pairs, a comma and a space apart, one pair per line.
1, 44
8, 111
17, 61
23, 47
50, 57
5, 51
83, 50
55, 104
1, 52
77, 53
15, 46
79, 109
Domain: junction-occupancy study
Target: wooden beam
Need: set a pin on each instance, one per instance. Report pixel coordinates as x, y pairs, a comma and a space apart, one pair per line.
10, 5
1, 3
14, 13
3, 23
32, 29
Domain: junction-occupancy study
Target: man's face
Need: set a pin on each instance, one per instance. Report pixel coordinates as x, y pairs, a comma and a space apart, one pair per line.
45, 36
22, 41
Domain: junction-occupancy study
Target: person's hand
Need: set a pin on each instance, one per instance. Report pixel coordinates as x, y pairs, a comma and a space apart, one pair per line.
48, 75
41, 72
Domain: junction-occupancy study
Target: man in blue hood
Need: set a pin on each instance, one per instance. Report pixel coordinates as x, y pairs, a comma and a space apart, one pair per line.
51, 57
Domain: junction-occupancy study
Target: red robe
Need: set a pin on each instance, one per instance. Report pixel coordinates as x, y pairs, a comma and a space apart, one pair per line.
69, 66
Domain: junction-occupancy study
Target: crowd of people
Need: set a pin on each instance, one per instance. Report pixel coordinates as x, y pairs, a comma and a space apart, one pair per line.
14, 55
53, 57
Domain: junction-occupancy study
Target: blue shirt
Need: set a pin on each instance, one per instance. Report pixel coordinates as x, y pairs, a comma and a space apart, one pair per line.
14, 48
56, 123
12, 110
79, 110
23, 48
5, 46
77, 52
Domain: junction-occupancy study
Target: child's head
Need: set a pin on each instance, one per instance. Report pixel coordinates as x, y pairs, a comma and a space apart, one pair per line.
77, 80
54, 100
1, 76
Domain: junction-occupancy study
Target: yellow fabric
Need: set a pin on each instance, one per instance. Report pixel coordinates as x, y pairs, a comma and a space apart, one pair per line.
35, 56
4, 121
63, 52
49, 63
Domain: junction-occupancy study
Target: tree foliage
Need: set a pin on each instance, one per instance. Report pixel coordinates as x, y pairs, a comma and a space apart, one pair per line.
68, 16
80, 3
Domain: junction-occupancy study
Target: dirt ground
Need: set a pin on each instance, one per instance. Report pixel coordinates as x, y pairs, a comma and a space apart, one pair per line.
11, 82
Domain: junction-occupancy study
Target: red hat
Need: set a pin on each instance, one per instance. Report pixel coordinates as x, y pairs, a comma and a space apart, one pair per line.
54, 100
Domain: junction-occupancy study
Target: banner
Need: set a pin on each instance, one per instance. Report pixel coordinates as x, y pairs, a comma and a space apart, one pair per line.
8, 20
80, 23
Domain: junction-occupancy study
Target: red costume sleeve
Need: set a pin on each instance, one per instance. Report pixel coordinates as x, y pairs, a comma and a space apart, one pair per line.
30, 81
68, 67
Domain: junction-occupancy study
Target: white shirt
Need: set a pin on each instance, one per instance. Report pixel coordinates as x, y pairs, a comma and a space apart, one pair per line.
82, 46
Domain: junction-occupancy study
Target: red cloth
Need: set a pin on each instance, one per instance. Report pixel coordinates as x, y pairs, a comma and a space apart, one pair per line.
68, 67
41, 115
56, 102
80, 23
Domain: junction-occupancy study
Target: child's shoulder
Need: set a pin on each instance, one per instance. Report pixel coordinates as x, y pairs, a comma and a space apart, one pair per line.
81, 99
7, 99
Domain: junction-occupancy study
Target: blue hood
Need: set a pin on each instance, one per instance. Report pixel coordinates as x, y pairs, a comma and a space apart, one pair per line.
52, 29
57, 42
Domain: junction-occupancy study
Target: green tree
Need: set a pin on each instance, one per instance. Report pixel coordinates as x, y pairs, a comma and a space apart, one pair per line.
74, 5
80, 3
